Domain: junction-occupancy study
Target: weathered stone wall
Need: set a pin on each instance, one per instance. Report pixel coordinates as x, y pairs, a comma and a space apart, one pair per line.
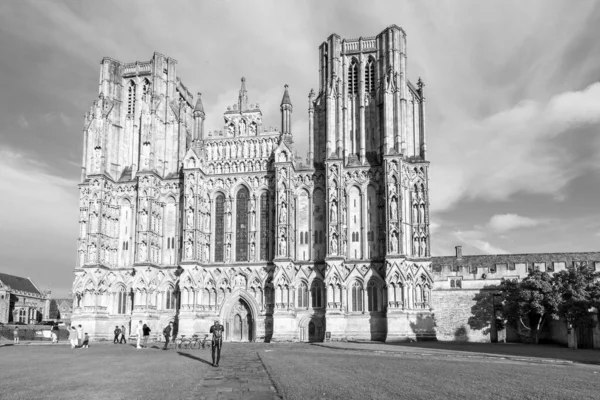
462, 315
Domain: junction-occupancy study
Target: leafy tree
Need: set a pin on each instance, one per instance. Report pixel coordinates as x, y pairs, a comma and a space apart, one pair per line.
534, 299
579, 289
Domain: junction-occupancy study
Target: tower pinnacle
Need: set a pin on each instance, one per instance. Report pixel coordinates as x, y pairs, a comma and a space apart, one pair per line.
243, 97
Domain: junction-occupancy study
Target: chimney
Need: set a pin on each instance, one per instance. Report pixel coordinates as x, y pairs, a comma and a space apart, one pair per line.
458, 252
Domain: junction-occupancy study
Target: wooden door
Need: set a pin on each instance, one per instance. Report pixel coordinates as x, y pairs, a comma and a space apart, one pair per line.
585, 336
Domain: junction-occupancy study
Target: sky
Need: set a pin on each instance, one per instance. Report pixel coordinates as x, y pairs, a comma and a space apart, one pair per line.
512, 88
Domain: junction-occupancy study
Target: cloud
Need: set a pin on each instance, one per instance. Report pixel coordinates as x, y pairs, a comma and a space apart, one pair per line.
39, 220
501, 223
518, 150
22, 122
474, 238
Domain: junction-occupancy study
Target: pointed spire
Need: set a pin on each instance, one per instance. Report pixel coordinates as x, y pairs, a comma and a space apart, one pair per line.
243, 97
286, 97
199, 107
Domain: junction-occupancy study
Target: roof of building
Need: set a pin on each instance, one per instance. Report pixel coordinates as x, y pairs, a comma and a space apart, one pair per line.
466, 260
18, 283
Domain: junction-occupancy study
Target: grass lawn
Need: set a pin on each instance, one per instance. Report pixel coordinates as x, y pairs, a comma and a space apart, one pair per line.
300, 371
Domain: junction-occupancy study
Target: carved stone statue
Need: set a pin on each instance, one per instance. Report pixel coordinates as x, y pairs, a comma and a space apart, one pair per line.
230, 130
245, 149
282, 246
242, 126
253, 129
219, 150
143, 248
282, 213
144, 220
188, 249
394, 209
190, 218
394, 242
234, 150
416, 246
333, 245
206, 252
263, 148
422, 214
252, 250
333, 215
228, 221
240, 150
423, 247
415, 213
206, 221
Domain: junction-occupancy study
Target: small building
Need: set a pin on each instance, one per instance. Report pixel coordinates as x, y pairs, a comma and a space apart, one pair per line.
21, 301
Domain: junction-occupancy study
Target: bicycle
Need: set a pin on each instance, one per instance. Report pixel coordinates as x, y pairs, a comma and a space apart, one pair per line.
175, 343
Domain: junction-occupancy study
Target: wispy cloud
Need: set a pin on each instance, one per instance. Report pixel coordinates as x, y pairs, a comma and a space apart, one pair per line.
502, 223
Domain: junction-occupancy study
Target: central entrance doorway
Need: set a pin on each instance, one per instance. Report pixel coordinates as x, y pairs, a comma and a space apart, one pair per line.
239, 323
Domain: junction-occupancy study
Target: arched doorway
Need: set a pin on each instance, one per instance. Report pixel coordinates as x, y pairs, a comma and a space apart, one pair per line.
241, 322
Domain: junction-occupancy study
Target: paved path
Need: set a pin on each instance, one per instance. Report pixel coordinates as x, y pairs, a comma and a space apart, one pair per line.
242, 377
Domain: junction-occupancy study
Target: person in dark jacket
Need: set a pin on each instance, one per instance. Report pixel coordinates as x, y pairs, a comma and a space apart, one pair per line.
123, 335
117, 333
167, 334
217, 341
146, 331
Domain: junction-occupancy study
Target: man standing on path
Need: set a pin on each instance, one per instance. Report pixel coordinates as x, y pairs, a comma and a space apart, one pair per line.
167, 334
217, 341
117, 333
139, 332
123, 335
79, 335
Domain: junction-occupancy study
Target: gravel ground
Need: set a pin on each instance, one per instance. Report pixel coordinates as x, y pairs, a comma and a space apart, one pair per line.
310, 372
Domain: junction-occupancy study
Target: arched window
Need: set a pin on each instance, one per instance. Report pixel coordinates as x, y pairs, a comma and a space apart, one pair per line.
121, 301
353, 78
373, 298
170, 299
302, 296
241, 226
370, 76
357, 297
131, 89
219, 227
264, 226
316, 293
146, 87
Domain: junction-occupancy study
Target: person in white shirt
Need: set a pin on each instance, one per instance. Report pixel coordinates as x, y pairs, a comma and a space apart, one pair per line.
139, 332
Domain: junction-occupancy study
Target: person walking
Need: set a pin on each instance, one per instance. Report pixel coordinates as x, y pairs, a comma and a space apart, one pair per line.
167, 334
73, 337
217, 341
54, 333
146, 331
117, 333
123, 335
139, 332
79, 335
86, 341
16, 335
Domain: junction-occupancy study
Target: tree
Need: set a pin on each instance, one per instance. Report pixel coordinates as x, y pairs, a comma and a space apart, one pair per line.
579, 290
534, 299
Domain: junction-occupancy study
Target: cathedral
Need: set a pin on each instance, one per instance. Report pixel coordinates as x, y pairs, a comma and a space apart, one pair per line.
185, 224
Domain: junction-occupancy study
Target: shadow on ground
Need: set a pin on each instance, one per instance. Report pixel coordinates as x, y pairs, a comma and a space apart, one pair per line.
502, 349
194, 358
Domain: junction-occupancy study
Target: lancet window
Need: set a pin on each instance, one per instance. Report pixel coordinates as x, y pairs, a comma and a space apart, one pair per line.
131, 98
241, 228
353, 78
357, 297
370, 76
219, 227
264, 226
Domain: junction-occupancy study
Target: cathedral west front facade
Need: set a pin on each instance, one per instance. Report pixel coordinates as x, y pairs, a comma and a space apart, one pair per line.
186, 224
